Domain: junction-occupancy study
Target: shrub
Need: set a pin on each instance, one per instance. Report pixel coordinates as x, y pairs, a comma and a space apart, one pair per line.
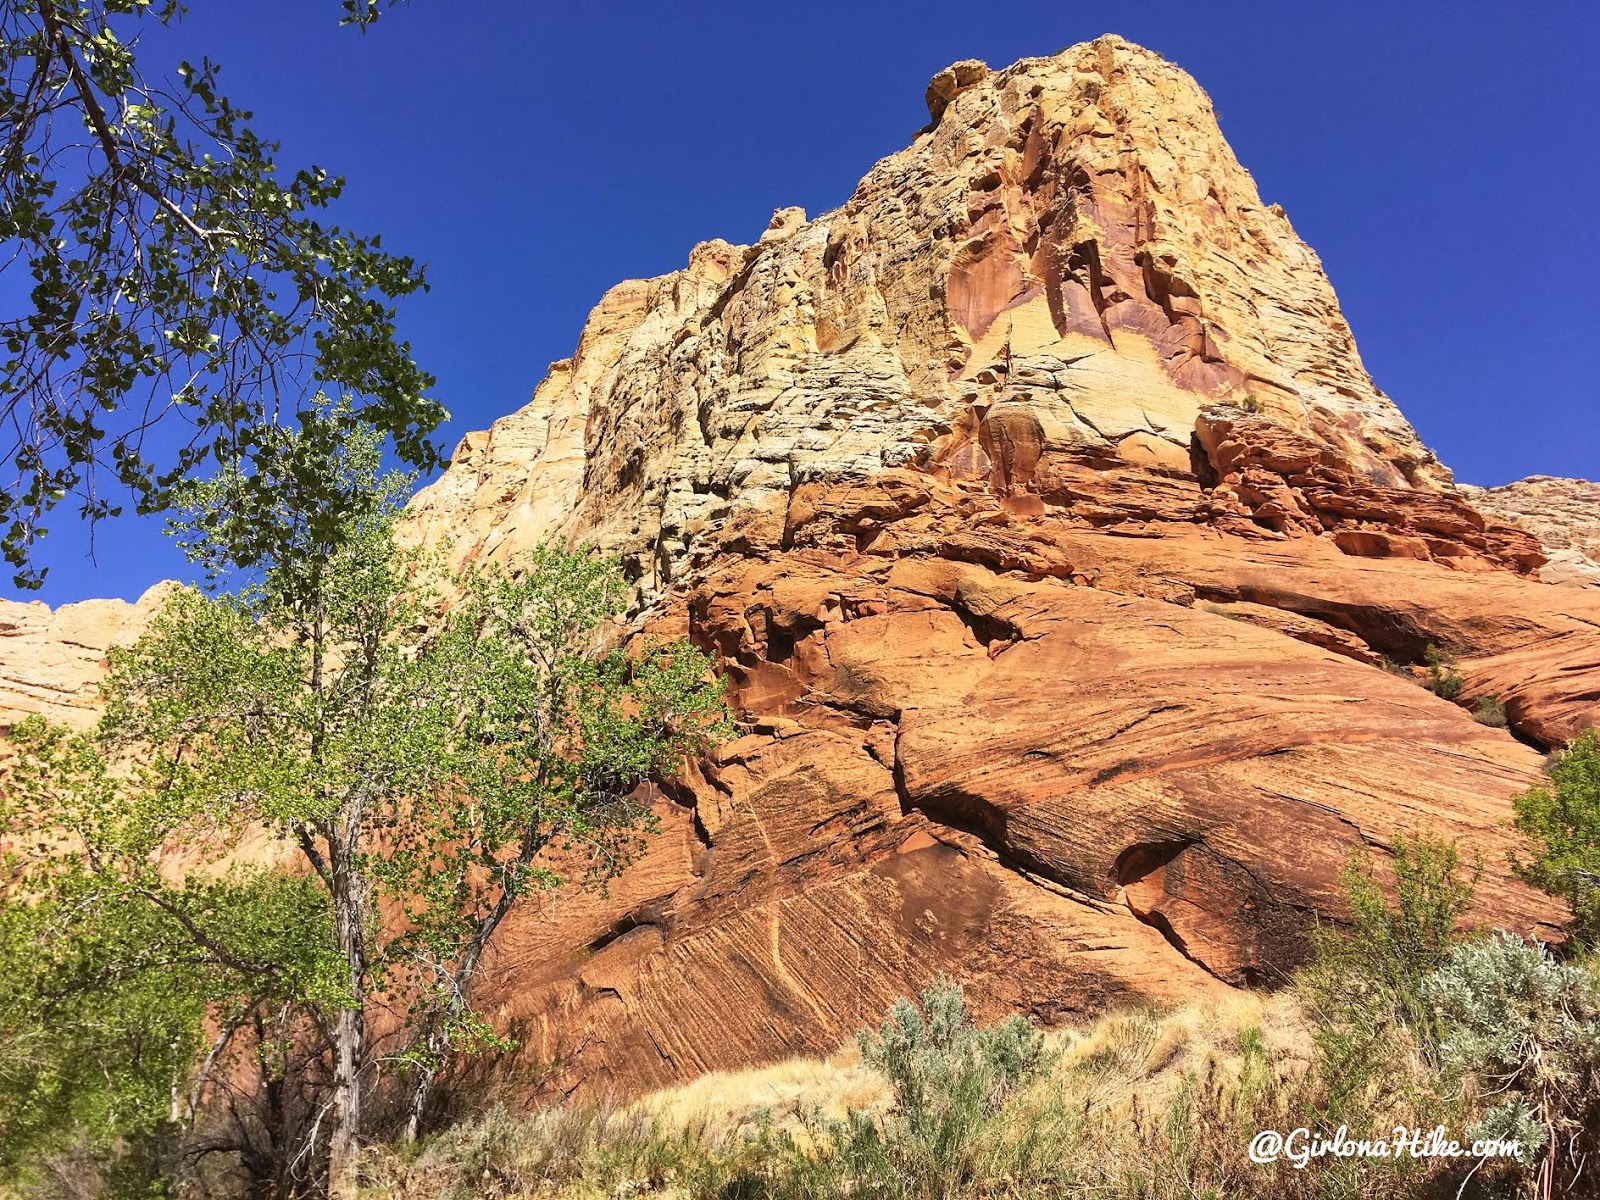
1562, 821
937, 1056
503, 1152
1375, 1032
1370, 975
1394, 668
1443, 680
950, 1077
1488, 710
1527, 1028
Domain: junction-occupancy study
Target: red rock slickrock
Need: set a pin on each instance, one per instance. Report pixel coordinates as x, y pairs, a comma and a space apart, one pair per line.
1065, 564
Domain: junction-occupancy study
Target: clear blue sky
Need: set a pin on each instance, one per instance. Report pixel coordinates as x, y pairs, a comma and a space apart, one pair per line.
1443, 158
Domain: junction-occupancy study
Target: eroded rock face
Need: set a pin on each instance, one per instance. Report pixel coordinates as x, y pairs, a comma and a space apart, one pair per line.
1564, 514
52, 661
1066, 766
1067, 265
1066, 567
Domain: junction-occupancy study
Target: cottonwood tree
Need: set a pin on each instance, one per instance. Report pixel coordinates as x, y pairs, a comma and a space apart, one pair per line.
1561, 819
172, 295
109, 970
410, 758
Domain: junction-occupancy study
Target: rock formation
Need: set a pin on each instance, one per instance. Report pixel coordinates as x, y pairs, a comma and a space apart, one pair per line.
1564, 514
1067, 568
51, 662
1055, 541
1053, 280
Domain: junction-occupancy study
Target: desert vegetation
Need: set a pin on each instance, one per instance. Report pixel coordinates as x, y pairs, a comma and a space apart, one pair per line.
1444, 677
1562, 818
1405, 1018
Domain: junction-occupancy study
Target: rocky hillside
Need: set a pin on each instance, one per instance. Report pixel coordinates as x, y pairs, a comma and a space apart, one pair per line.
51, 662
1065, 563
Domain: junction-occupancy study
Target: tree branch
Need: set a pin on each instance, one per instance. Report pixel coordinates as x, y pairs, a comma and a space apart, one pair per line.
308, 847
96, 114
204, 1075
225, 956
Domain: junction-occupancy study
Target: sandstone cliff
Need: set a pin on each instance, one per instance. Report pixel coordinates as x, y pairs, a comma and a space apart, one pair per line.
1564, 514
1060, 272
1066, 565
51, 662
1055, 540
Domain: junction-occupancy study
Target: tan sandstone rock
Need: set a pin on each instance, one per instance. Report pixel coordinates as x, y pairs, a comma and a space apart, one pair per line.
1072, 242
51, 662
1564, 514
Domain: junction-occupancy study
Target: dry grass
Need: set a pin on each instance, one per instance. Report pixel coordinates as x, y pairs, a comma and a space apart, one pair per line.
788, 1094
1148, 1102
1145, 1044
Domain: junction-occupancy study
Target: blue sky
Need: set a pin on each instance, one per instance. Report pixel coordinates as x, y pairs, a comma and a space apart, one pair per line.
1442, 158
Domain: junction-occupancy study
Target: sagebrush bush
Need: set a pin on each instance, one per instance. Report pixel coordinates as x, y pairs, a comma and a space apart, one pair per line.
1526, 1029
950, 1077
936, 1056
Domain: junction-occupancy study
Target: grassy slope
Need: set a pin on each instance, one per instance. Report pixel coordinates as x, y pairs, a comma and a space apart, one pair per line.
1142, 1103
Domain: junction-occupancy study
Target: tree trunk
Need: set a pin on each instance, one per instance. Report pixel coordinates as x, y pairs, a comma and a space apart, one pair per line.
433, 1046
348, 1036
437, 1039
343, 1155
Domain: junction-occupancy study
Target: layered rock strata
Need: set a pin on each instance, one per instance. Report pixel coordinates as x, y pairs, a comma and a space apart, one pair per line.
1069, 571
1068, 259
1564, 514
52, 661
